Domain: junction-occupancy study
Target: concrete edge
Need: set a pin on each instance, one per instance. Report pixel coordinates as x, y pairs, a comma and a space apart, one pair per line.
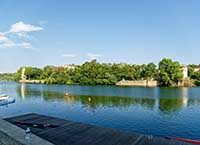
18, 134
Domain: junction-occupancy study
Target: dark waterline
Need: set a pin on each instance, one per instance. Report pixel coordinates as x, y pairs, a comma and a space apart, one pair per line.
156, 111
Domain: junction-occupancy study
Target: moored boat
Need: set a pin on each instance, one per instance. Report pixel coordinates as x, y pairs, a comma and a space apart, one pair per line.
5, 100
4, 97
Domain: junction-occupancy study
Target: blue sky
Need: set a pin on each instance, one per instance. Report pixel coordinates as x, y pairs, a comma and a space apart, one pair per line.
37, 33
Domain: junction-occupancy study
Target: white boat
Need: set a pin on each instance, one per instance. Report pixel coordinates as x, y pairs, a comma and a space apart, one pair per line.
5, 99
2, 95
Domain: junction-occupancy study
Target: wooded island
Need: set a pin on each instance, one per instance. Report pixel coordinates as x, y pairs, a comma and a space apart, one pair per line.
167, 73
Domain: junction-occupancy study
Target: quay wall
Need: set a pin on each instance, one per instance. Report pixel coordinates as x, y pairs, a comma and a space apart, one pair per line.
32, 81
143, 83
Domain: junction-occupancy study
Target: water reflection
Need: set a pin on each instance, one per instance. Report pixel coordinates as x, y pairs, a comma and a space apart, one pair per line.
185, 97
162, 101
170, 105
87, 101
110, 101
178, 99
23, 90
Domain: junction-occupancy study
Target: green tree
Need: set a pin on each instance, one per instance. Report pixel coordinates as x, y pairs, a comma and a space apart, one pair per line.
122, 71
94, 73
17, 75
170, 72
150, 71
7, 76
33, 73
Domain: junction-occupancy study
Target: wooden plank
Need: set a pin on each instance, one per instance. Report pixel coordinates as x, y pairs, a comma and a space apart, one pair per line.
54, 129
91, 136
23, 117
69, 131
107, 138
34, 118
76, 133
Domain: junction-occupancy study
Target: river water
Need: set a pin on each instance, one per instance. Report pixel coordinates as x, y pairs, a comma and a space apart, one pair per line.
173, 112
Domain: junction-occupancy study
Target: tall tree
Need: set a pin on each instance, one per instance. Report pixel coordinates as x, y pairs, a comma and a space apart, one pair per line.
170, 72
150, 71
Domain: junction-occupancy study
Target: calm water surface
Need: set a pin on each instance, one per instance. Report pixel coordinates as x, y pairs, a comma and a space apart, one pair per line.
156, 111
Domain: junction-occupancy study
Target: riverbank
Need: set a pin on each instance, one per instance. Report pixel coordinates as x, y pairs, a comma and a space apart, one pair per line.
142, 83
32, 81
139, 83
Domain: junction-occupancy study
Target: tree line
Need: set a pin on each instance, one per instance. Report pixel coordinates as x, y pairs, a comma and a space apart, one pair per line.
167, 72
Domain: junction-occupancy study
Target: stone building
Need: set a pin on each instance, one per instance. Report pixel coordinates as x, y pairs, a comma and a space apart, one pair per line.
70, 66
185, 71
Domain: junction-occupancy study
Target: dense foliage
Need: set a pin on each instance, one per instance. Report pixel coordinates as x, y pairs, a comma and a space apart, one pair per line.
168, 72
195, 75
7, 77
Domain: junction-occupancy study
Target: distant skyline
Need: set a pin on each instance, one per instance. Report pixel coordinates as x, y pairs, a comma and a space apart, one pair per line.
38, 33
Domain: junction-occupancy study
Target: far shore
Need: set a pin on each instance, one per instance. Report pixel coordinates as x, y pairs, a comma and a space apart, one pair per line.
124, 83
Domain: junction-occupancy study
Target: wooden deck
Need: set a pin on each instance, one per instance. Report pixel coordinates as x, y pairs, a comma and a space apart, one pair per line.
75, 133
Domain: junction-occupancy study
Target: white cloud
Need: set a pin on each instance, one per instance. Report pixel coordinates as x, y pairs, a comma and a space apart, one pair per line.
25, 45
22, 27
10, 44
94, 56
90, 55
18, 30
7, 44
69, 55
3, 38
42, 22
23, 35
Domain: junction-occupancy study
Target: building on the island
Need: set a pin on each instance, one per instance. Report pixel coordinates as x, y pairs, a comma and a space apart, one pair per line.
23, 76
70, 66
196, 69
185, 71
